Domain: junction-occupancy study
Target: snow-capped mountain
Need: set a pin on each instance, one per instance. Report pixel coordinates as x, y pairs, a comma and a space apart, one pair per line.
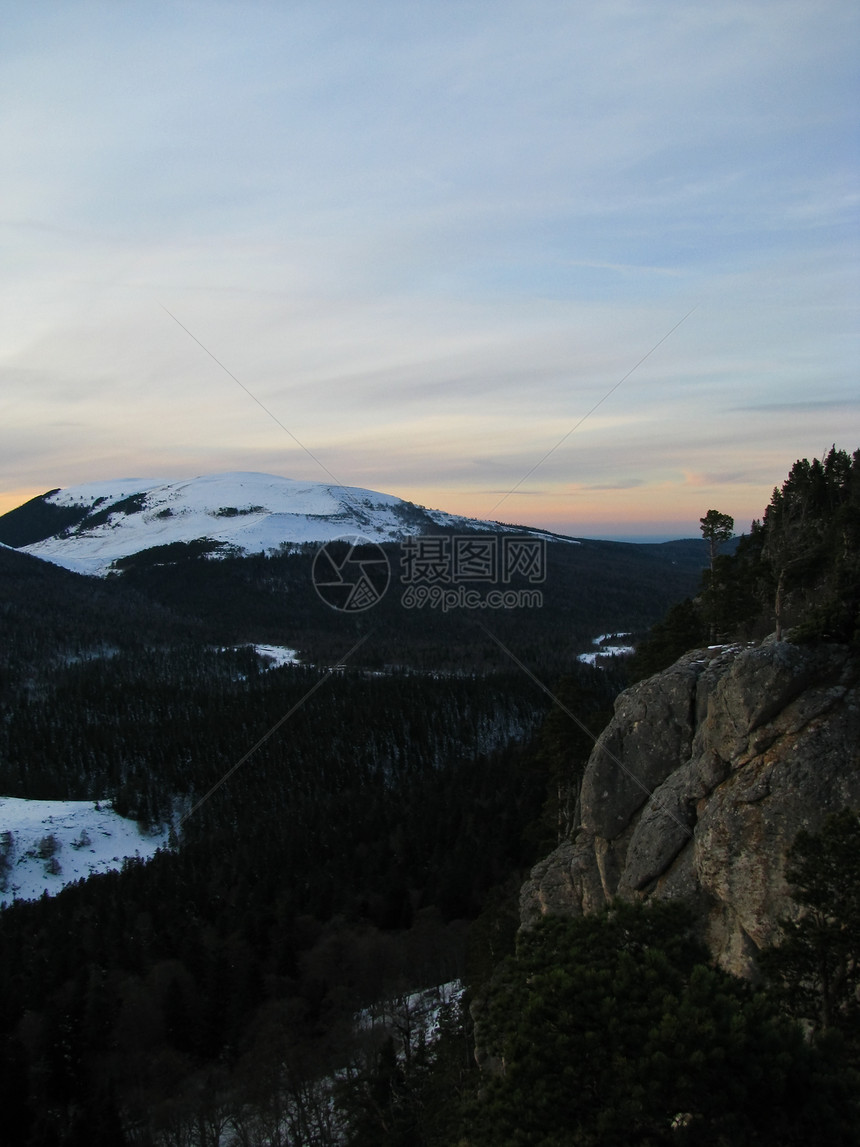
87, 528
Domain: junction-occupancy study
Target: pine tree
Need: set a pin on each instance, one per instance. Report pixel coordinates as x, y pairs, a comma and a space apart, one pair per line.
716, 529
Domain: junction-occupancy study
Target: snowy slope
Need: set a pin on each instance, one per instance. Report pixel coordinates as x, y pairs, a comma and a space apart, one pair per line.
45, 845
245, 512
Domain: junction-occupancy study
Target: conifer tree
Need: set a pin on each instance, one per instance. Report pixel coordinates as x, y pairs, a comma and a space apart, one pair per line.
716, 528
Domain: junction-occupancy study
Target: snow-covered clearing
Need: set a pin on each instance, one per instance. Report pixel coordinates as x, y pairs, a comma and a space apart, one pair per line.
276, 656
604, 651
45, 845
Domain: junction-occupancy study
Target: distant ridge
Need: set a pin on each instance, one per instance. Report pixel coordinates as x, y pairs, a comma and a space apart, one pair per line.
87, 528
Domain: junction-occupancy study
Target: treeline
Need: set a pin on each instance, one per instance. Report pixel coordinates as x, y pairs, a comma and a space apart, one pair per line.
797, 570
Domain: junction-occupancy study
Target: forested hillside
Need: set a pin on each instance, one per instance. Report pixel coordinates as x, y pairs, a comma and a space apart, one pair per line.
49, 616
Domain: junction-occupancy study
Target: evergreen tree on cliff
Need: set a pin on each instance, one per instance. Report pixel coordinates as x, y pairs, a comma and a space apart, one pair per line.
716, 528
798, 569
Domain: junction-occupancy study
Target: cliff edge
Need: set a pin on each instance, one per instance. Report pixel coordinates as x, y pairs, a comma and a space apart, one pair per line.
699, 785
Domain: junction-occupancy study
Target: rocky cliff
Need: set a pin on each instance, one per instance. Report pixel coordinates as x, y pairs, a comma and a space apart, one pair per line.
699, 785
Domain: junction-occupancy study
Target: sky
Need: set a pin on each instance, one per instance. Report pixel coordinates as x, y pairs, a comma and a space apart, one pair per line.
589, 267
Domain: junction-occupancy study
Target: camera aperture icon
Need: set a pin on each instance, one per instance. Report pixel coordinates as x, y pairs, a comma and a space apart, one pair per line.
351, 573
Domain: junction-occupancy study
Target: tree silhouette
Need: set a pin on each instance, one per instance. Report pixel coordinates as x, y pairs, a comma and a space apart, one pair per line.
716, 528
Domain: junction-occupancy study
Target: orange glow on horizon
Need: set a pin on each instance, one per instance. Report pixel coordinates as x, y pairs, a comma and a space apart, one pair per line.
12, 499
662, 507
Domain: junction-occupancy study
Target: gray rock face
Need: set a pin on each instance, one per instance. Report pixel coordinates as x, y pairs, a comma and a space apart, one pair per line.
699, 785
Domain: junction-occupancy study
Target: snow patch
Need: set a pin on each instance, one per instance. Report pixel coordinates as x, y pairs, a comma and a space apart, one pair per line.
277, 655
604, 650
45, 845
